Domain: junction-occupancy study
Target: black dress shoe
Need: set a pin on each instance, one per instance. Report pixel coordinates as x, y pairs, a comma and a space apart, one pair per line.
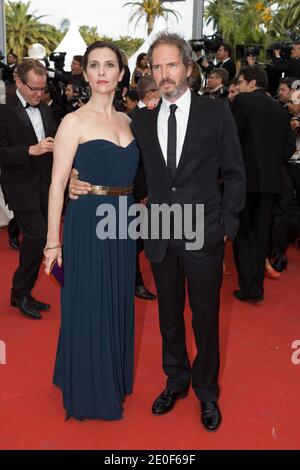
280, 263
26, 305
37, 303
238, 295
166, 401
14, 243
40, 305
210, 415
143, 293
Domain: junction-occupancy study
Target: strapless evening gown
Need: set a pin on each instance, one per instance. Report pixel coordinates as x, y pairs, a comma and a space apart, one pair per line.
94, 362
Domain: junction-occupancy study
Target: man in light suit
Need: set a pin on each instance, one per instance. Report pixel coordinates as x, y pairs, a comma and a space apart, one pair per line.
187, 142
27, 129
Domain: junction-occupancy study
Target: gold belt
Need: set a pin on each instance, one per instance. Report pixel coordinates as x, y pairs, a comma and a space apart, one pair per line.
111, 190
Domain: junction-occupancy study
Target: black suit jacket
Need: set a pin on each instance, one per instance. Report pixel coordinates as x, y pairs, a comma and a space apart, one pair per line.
211, 148
266, 138
229, 66
23, 178
290, 67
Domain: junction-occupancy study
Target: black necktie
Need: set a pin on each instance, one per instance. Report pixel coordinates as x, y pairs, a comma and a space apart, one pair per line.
172, 141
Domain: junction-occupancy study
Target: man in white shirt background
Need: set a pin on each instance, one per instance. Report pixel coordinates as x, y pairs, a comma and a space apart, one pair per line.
27, 129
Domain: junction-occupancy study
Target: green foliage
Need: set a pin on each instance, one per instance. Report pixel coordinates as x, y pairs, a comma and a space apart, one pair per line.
291, 14
150, 10
253, 21
24, 29
129, 45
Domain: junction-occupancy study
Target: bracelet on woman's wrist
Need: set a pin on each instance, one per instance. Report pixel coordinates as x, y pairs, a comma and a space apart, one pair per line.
47, 248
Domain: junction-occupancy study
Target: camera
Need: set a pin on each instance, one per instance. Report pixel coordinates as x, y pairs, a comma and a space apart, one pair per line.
1, 56
210, 44
81, 93
59, 60
243, 51
285, 50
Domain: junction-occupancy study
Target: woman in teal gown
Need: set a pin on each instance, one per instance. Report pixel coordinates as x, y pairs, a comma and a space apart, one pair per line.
94, 363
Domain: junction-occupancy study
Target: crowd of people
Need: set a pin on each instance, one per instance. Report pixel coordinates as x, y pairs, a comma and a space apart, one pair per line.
178, 131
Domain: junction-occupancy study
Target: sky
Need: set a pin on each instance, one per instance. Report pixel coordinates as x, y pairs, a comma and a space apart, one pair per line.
109, 16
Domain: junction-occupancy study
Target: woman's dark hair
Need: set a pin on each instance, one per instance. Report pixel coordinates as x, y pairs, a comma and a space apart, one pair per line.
132, 95
139, 59
102, 45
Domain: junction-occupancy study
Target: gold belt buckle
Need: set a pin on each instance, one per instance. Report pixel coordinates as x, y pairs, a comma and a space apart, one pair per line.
109, 190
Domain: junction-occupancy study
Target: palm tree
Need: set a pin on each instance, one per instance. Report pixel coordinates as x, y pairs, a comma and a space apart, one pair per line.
216, 10
90, 34
24, 28
241, 21
151, 9
291, 9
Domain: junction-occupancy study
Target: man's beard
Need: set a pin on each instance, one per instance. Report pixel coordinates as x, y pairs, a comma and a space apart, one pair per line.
178, 90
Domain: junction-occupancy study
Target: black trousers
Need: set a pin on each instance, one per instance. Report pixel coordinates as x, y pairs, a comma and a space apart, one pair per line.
138, 273
33, 226
284, 230
204, 278
294, 173
251, 243
13, 229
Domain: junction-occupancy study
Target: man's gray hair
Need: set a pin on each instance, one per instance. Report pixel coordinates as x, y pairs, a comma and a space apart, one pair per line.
172, 39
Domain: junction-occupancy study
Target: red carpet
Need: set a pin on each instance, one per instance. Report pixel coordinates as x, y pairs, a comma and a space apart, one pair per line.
260, 385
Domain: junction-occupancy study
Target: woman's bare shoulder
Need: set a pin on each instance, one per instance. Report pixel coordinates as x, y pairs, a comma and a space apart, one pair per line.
123, 116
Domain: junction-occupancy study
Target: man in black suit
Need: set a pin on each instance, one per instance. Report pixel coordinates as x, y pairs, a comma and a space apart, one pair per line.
225, 61
8, 70
186, 143
291, 66
224, 56
26, 143
267, 141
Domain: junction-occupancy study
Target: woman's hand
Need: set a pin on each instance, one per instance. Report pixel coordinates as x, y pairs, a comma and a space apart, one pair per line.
52, 255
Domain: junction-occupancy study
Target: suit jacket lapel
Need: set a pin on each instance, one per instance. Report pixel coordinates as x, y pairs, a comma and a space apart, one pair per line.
191, 132
19, 109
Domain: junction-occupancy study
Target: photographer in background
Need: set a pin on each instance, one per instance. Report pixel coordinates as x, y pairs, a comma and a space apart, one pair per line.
217, 84
8, 70
294, 162
224, 56
52, 99
285, 90
76, 76
290, 66
225, 61
73, 98
233, 90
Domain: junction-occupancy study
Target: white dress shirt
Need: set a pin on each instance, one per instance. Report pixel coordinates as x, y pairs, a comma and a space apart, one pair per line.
226, 60
182, 115
141, 104
35, 117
